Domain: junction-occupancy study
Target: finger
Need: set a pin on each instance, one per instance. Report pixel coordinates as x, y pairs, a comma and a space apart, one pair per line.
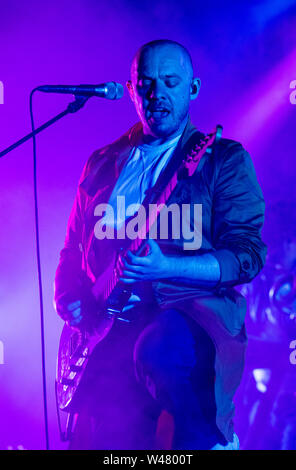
152, 245
149, 247
128, 281
132, 274
133, 267
74, 305
76, 313
75, 321
136, 260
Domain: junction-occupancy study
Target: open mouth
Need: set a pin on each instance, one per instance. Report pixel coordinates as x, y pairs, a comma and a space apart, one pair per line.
159, 113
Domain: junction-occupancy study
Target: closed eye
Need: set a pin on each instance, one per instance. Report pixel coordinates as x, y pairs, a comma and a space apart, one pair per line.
144, 82
172, 82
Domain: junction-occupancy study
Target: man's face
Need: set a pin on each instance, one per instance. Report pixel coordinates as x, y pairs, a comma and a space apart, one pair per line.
161, 89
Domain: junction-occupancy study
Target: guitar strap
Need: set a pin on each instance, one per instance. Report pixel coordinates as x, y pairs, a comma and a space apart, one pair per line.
152, 194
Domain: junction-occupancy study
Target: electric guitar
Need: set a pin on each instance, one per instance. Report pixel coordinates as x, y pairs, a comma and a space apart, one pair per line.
76, 345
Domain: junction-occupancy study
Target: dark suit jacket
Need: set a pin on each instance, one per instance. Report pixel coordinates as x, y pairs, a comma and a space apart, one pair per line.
225, 184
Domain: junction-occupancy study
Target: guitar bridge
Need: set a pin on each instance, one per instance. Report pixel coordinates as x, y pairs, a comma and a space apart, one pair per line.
113, 311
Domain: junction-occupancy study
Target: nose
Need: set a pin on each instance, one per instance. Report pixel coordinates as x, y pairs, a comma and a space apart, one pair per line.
156, 90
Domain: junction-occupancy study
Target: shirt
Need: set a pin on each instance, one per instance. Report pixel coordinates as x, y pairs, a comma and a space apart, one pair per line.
140, 173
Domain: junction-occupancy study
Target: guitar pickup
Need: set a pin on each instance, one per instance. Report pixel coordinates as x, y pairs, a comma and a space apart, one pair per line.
113, 311
123, 319
67, 382
75, 368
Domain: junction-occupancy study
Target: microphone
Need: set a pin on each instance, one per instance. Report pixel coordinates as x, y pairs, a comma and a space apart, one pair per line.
109, 90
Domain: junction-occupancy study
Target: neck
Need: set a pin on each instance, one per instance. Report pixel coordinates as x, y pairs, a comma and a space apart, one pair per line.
157, 140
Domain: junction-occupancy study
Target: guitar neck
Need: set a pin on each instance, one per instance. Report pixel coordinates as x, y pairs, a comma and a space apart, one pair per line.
143, 231
188, 165
154, 211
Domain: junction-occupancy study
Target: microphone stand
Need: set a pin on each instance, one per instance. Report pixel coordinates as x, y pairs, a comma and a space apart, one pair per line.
73, 107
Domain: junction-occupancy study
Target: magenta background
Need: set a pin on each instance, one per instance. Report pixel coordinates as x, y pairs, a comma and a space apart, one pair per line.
246, 59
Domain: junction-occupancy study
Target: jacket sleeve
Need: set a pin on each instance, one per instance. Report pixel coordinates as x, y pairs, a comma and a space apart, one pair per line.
69, 274
238, 216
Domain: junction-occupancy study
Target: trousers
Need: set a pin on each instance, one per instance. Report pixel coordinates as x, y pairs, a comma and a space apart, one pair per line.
162, 366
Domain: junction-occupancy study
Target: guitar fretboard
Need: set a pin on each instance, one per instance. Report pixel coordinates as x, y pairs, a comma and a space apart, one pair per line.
189, 164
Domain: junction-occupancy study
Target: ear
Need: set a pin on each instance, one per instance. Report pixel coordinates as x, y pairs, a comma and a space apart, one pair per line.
130, 90
195, 87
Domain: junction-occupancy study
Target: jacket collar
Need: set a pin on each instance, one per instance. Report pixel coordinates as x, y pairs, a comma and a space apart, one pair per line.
116, 154
136, 132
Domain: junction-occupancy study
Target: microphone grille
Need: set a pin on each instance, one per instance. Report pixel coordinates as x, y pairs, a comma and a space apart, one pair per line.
115, 91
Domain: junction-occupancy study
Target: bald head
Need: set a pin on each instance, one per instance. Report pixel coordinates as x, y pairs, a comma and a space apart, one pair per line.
165, 44
162, 86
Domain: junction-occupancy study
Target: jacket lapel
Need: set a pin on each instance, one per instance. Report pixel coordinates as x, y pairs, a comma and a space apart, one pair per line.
108, 163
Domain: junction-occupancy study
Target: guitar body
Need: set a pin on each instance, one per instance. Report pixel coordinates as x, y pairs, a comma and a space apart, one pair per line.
75, 349
76, 345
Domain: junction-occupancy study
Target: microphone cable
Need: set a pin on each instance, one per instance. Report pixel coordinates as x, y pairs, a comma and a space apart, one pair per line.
72, 107
42, 333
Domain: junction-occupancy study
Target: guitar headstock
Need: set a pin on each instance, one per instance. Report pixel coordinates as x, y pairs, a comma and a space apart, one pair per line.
193, 158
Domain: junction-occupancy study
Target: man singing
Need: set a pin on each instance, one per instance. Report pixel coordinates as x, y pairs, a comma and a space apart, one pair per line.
182, 358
